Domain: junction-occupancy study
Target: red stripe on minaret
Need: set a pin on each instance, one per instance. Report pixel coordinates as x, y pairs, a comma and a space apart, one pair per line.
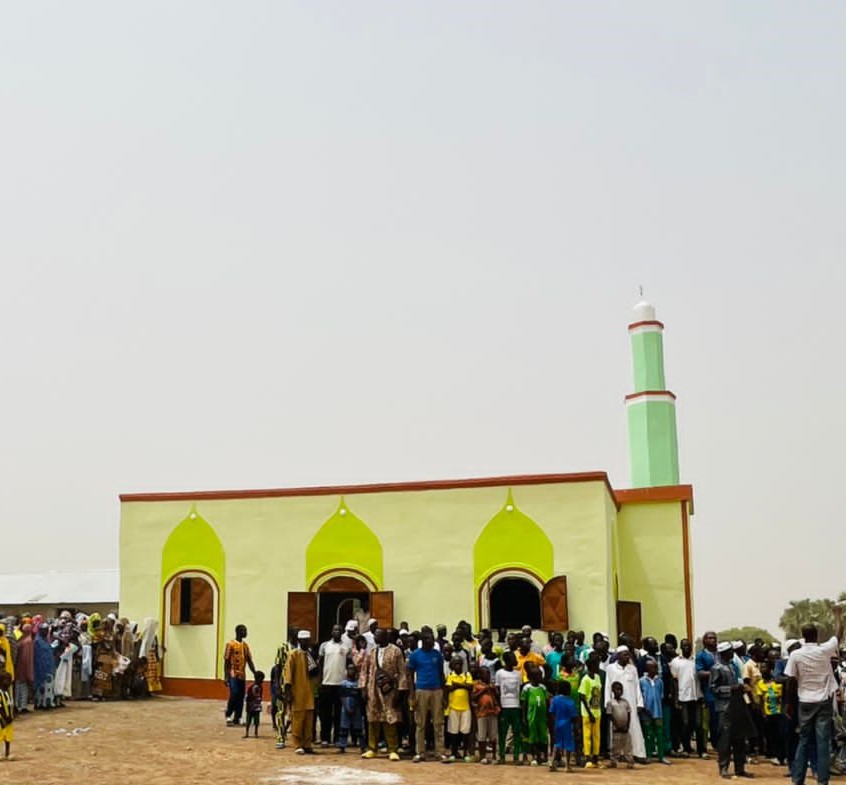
646, 324
632, 396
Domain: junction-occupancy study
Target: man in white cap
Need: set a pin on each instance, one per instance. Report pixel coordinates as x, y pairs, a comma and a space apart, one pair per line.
369, 636
810, 666
734, 724
300, 670
623, 671
350, 634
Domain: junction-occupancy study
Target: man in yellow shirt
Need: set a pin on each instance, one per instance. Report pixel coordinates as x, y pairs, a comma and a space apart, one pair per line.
525, 657
460, 719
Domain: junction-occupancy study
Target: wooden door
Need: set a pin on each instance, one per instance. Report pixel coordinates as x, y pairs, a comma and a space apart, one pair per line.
554, 612
302, 612
629, 619
382, 608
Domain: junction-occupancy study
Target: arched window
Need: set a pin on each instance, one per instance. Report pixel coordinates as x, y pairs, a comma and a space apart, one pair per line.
191, 601
513, 603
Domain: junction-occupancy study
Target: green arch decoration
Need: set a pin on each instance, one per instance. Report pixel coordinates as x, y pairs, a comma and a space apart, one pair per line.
194, 545
512, 540
344, 541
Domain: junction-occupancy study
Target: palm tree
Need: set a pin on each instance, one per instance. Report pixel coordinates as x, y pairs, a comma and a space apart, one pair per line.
797, 614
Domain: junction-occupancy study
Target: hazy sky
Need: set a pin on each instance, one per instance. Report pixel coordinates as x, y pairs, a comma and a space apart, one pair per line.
273, 244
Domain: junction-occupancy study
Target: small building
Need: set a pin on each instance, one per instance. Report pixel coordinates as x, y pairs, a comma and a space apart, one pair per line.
557, 551
50, 593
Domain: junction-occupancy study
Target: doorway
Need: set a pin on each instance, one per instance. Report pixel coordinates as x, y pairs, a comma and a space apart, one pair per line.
515, 602
340, 599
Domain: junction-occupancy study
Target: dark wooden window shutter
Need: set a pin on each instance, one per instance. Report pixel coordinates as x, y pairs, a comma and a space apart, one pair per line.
202, 601
302, 611
175, 595
382, 608
554, 612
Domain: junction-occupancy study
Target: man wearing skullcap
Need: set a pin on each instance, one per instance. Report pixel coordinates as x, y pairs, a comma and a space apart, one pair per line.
623, 671
734, 725
301, 669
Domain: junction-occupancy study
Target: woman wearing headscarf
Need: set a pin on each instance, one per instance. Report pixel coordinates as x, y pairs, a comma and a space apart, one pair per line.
63, 686
44, 665
24, 669
7, 663
104, 662
149, 652
86, 659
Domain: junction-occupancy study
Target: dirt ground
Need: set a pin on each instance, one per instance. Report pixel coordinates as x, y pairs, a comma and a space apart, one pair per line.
179, 741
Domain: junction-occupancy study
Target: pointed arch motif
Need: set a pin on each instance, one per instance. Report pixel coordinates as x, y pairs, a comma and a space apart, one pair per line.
344, 545
193, 549
511, 540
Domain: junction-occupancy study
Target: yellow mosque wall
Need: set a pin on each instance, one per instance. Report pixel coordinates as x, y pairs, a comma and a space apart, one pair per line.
439, 547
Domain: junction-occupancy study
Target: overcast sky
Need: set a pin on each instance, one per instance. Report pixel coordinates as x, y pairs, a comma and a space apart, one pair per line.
274, 244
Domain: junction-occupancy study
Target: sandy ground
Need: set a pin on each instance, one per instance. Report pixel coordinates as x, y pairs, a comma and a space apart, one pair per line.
175, 740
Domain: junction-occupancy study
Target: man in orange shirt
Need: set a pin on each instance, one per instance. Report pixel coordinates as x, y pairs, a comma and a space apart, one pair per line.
236, 659
525, 657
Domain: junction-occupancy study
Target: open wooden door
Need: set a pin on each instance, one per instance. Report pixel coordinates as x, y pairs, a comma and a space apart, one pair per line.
302, 611
382, 608
629, 619
554, 612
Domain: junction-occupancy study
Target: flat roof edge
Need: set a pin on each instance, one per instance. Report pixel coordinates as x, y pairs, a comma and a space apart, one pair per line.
386, 487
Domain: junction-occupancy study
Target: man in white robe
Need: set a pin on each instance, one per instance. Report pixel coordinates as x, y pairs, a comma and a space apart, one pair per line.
624, 671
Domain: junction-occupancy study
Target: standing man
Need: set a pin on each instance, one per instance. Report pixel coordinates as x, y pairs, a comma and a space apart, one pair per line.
623, 671
686, 697
236, 658
733, 723
332, 657
300, 669
384, 681
428, 666
370, 635
704, 662
810, 665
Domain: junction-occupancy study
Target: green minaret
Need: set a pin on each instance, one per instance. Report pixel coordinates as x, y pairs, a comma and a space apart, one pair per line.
653, 440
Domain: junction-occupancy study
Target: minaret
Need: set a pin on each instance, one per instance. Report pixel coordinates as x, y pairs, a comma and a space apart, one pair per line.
653, 440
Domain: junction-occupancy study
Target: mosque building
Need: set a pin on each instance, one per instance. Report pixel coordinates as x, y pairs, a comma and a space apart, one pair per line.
313, 557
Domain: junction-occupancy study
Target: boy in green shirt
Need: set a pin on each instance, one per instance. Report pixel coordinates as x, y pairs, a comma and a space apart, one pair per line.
534, 702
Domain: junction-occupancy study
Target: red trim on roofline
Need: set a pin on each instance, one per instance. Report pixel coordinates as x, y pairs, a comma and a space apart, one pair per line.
385, 487
658, 493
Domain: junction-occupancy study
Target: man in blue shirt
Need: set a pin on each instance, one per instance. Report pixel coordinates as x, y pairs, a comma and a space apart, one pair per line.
427, 664
652, 714
704, 662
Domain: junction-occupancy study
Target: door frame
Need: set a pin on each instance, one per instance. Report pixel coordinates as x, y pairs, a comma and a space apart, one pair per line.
483, 606
164, 623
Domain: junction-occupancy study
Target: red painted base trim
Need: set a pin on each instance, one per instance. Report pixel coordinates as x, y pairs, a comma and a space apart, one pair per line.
204, 689
209, 689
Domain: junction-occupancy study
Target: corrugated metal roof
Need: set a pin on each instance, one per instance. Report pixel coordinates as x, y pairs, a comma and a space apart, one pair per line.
59, 588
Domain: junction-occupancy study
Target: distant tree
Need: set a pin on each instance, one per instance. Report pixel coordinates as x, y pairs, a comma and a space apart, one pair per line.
747, 634
820, 612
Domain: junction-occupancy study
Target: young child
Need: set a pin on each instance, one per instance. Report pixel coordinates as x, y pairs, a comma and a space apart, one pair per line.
652, 714
351, 724
7, 713
770, 693
563, 712
621, 716
534, 699
486, 709
590, 697
459, 720
509, 682
254, 703
571, 671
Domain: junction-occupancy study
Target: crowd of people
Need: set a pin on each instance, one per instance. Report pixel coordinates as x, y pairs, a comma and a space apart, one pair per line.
555, 700
46, 662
